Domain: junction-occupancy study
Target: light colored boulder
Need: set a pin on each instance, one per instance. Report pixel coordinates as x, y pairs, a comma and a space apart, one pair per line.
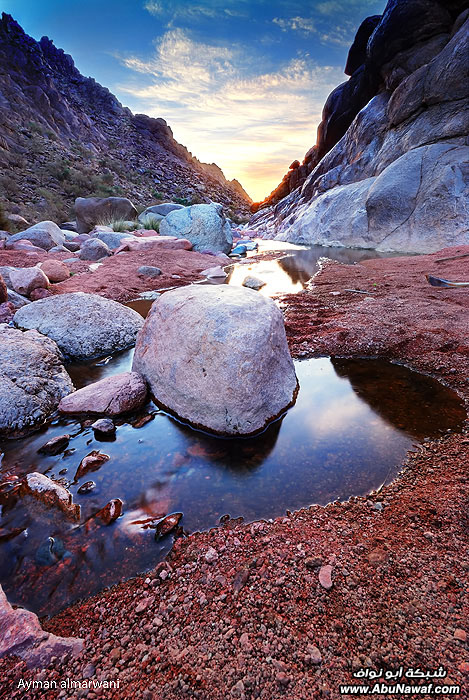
94, 249
96, 210
25, 279
44, 235
159, 211
32, 380
203, 224
55, 270
217, 356
22, 635
82, 325
111, 396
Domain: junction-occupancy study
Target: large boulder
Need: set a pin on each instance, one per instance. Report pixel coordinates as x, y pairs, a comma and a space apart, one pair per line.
32, 380
45, 235
21, 635
204, 225
157, 212
218, 358
95, 210
111, 396
82, 325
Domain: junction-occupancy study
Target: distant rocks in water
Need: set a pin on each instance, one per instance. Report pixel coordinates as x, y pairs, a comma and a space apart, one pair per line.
22, 635
204, 225
32, 380
91, 463
217, 356
90, 211
82, 325
253, 283
45, 235
24, 280
86, 488
52, 494
149, 271
55, 270
111, 396
389, 170
94, 249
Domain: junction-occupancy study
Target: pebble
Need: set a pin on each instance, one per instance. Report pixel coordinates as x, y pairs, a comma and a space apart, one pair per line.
461, 635
104, 425
211, 555
325, 576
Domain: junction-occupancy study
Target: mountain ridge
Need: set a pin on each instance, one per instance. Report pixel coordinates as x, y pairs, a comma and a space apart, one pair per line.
64, 135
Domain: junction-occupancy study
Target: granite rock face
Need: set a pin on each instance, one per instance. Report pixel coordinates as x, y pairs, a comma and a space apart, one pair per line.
82, 325
396, 177
32, 380
217, 357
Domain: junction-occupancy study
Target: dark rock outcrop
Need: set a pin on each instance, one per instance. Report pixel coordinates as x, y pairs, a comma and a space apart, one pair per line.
77, 140
390, 167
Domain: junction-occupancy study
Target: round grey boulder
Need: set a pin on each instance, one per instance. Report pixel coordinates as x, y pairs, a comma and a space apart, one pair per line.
44, 235
82, 325
33, 380
112, 239
204, 225
218, 358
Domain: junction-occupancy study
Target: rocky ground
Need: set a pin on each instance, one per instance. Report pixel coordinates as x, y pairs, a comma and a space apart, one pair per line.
291, 609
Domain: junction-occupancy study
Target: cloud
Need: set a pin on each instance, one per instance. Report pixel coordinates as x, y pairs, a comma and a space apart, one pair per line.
226, 109
296, 24
153, 7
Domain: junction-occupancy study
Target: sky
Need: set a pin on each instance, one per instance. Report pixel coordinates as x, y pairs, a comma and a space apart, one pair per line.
241, 83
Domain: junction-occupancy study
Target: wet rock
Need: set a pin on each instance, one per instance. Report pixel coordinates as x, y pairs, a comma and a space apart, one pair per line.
44, 235
55, 445
50, 552
91, 463
94, 249
218, 357
105, 426
113, 396
22, 635
325, 576
167, 525
87, 487
83, 325
253, 283
149, 271
52, 494
204, 225
111, 511
94, 210
55, 270
239, 249
25, 279
32, 380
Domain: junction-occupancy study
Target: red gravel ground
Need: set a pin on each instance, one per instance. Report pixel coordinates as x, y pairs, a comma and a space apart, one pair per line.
239, 611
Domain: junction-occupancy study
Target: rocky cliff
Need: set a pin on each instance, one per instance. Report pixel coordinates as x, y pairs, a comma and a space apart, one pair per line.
63, 135
390, 169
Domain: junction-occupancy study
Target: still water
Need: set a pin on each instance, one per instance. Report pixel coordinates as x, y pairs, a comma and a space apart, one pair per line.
350, 428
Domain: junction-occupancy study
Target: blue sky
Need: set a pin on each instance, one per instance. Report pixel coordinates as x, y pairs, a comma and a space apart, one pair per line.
241, 82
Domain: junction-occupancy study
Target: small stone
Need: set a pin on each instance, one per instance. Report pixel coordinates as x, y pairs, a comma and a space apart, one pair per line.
55, 445
87, 487
211, 555
111, 511
104, 426
325, 578
314, 655
167, 524
313, 562
88, 671
114, 655
149, 271
460, 634
91, 463
253, 283
282, 678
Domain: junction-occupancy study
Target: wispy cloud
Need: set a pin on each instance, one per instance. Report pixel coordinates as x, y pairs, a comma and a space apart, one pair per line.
224, 109
304, 25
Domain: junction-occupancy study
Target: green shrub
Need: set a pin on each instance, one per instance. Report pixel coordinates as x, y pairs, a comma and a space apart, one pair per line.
151, 223
182, 200
157, 195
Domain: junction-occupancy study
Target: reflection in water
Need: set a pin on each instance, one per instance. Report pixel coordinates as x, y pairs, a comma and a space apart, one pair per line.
290, 274
345, 435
